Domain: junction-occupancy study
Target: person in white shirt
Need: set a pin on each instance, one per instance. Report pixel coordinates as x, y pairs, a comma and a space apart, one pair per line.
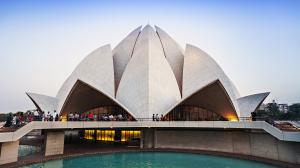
120, 117
111, 117
76, 117
36, 115
71, 117
43, 116
54, 116
14, 120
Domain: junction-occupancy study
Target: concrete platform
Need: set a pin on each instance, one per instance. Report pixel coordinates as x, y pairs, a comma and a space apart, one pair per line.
256, 125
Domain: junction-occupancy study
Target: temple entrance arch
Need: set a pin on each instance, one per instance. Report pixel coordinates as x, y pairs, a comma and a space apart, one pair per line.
209, 103
83, 98
192, 113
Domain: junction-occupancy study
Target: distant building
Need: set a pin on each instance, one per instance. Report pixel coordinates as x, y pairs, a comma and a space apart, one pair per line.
269, 106
283, 108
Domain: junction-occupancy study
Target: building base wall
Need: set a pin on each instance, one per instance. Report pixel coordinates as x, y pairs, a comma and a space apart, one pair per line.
147, 139
259, 144
54, 143
9, 152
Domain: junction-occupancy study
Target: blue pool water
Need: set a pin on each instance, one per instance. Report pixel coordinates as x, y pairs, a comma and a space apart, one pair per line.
150, 160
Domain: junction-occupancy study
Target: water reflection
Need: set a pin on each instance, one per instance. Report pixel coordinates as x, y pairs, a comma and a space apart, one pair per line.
150, 160
25, 150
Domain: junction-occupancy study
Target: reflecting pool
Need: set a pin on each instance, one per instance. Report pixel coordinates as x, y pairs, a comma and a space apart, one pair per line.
25, 150
150, 160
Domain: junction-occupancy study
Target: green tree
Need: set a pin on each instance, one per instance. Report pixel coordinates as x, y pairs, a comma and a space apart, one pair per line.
273, 110
294, 108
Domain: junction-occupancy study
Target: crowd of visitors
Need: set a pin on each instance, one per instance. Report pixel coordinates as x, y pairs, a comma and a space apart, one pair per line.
99, 117
17, 120
20, 118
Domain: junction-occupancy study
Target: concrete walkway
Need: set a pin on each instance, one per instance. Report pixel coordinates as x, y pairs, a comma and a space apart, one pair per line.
40, 125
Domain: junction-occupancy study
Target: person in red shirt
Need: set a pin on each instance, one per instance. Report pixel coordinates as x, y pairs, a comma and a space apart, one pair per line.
30, 117
91, 116
21, 118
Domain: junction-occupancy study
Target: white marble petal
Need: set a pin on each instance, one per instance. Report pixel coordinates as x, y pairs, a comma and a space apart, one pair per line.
122, 54
148, 85
173, 53
43, 102
96, 70
199, 70
250, 103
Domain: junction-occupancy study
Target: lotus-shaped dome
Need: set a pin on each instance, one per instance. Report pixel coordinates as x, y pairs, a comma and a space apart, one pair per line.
149, 73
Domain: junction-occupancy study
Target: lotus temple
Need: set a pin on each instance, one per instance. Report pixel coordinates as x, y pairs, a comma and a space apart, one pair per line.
149, 73
151, 92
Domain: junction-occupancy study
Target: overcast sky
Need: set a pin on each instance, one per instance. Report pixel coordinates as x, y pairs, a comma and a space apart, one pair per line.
257, 43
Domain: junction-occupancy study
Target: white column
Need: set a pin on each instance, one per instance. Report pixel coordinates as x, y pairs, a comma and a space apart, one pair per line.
9, 152
54, 143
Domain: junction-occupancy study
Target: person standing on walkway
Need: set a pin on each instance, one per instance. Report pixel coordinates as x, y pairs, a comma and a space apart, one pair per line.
14, 119
71, 116
54, 116
43, 116
17, 121
8, 122
48, 116
76, 117
21, 119
36, 115
91, 116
